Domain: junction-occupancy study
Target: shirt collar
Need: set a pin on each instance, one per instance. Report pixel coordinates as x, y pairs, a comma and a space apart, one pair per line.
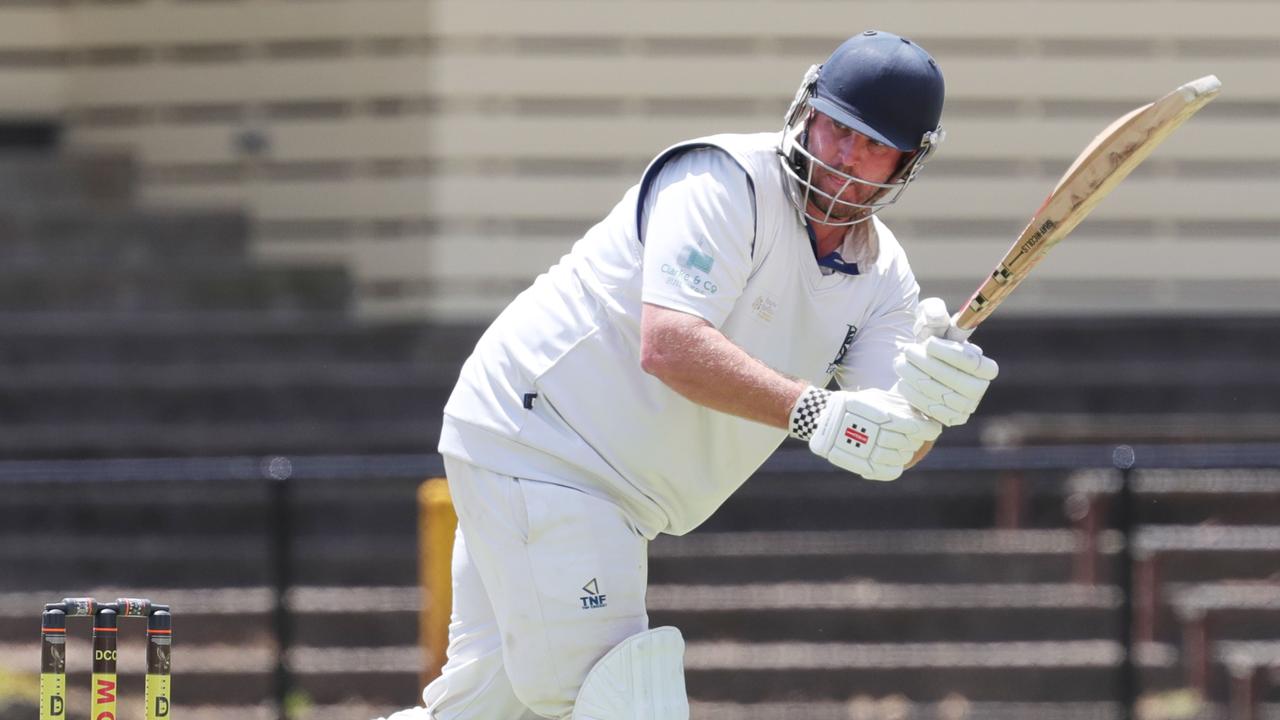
835, 261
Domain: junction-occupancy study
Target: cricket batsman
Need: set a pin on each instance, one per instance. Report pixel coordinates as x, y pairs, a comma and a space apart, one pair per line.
641, 380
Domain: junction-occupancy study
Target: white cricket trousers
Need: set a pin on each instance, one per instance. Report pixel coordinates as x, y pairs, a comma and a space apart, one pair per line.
546, 580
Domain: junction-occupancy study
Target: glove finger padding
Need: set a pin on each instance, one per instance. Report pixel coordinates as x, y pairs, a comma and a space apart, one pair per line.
919, 380
885, 456
935, 408
867, 469
897, 441
964, 356
928, 390
917, 430
936, 365
962, 369
882, 473
945, 379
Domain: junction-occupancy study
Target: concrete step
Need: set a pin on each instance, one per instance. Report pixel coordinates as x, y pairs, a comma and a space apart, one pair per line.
1035, 672
1232, 391
372, 542
1190, 497
70, 341
870, 612
241, 394
868, 707
130, 707
240, 675
1231, 610
116, 240
195, 510
920, 499
1073, 672
1157, 342
888, 705
67, 182
848, 612
351, 647
1233, 660
147, 290
319, 617
192, 438
1200, 553
218, 376
1134, 365
984, 556
222, 560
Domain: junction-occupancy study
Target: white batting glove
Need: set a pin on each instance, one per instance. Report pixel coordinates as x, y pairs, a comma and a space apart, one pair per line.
872, 433
943, 375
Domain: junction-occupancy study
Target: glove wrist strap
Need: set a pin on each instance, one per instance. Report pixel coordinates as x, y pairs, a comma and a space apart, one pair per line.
807, 410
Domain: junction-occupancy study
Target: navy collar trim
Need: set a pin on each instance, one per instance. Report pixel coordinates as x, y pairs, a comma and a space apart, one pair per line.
833, 259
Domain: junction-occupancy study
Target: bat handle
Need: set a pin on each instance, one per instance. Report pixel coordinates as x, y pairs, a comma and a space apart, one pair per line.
958, 330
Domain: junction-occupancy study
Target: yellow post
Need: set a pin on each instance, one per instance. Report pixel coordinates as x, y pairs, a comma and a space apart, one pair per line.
436, 525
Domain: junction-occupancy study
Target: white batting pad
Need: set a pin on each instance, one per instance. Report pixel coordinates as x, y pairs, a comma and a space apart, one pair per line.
642, 678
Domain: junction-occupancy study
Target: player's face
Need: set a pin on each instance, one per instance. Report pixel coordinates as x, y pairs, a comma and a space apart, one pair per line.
852, 153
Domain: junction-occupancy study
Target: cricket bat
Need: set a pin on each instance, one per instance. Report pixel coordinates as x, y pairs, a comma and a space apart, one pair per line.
1104, 162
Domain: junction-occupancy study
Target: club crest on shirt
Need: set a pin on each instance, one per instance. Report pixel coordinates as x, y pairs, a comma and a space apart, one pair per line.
844, 349
764, 306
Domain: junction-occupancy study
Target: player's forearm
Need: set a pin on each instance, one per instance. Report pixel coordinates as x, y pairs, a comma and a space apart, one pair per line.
924, 450
699, 362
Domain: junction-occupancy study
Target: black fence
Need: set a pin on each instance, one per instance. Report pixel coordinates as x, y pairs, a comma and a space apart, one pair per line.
1091, 580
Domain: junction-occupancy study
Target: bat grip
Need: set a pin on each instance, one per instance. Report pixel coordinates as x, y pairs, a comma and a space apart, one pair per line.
958, 330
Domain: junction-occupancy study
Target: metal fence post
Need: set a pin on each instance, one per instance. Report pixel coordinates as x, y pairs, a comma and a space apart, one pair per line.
1124, 459
278, 471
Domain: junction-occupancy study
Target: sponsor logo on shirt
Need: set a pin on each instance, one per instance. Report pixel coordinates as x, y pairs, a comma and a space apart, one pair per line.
694, 259
693, 281
593, 598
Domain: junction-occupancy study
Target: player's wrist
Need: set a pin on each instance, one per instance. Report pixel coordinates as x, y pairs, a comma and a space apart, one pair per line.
807, 411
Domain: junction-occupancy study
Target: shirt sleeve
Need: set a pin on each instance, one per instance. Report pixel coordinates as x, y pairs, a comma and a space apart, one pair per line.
698, 227
869, 362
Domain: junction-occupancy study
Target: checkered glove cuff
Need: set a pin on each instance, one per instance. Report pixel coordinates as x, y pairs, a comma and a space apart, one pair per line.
804, 416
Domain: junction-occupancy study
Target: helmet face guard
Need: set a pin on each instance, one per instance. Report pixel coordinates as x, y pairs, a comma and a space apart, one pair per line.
881, 86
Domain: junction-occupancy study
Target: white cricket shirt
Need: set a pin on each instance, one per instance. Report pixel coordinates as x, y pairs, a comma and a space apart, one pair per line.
554, 390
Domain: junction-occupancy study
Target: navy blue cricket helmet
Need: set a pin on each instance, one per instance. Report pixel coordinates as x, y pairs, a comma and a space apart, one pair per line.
881, 85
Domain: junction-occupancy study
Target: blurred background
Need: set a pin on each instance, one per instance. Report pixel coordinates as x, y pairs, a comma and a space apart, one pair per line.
246, 244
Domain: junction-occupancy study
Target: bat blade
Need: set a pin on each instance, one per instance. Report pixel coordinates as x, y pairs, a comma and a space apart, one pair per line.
1096, 171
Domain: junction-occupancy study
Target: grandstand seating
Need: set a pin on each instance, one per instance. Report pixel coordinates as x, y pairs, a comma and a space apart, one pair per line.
1207, 554
132, 332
